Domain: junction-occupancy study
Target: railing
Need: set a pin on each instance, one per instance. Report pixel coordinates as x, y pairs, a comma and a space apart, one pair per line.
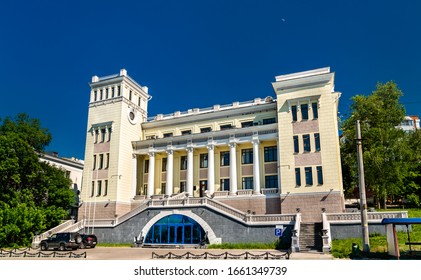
326, 236
191, 202
244, 192
270, 191
37, 238
372, 216
75, 227
220, 193
295, 239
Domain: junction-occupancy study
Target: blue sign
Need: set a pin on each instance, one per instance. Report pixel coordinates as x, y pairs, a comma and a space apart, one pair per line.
278, 232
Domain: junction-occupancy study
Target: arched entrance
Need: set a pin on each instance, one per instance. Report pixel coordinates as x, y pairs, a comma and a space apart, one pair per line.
175, 229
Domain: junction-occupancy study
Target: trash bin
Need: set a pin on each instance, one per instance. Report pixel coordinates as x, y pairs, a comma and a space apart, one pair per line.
355, 249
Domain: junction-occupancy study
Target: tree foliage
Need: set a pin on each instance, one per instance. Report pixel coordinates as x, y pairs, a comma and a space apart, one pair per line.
389, 160
34, 195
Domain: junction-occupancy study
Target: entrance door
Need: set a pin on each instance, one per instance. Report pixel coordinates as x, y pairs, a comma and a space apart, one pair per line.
175, 229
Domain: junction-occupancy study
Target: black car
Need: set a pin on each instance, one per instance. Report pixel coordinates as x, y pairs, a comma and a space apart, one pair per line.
62, 241
88, 240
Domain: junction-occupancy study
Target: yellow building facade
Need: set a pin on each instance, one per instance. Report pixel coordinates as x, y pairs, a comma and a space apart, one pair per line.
271, 155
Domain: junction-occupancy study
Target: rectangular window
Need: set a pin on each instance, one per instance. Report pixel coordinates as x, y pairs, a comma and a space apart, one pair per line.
138, 102
294, 113
247, 124
309, 176
130, 95
246, 156
317, 141
99, 188
103, 132
271, 154
164, 164
297, 177
183, 186
203, 160
269, 121
271, 182
186, 132
304, 112
94, 163
203, 185
96, 135
118, 90
101, 161
107, 161
105, 187
183, 163
167, 135
92, 188
95, 95
100, 94
226, 126
247, 183
146, 169
106, 93
315, 110
225, 158
296, 144
112, 92
319, 175
109, 134
205, 129
306, 143
163, 187
225, 184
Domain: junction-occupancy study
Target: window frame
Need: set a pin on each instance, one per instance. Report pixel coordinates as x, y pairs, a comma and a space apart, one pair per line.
270, 154
309, 175
247, 156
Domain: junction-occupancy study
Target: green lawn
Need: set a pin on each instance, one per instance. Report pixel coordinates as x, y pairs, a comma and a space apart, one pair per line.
378, 243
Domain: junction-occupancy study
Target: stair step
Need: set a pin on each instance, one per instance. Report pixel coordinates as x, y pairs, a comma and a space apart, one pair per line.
310, 237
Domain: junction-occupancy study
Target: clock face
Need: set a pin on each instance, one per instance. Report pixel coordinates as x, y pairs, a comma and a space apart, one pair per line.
133, 116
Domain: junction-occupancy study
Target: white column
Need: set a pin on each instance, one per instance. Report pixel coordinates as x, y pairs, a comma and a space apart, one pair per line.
170, 171
256, 167
190, 171
233, 169
134, 175
151, 175
211, 169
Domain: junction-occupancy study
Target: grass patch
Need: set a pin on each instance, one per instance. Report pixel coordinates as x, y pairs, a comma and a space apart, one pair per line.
378, 243
276, 245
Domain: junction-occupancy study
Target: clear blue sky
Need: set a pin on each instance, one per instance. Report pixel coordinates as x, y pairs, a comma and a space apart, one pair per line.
196, 53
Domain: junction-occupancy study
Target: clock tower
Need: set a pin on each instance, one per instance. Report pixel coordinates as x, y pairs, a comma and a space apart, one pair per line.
117, 108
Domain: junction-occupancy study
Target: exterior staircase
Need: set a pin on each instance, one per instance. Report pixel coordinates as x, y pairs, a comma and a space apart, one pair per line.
311, 237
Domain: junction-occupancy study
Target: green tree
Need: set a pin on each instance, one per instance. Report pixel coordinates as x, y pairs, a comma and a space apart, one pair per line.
387, 155
34, 195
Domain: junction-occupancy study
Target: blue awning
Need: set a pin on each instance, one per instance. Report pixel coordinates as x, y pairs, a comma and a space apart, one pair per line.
401, 221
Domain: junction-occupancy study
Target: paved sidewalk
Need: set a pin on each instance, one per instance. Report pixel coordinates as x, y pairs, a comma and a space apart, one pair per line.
127, 253
109, 253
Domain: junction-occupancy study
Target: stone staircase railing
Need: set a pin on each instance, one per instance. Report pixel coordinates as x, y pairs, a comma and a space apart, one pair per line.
295, 239
220, 207
37, 238
355, 217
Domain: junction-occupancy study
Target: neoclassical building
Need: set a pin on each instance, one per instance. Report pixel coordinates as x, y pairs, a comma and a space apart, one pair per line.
272, 155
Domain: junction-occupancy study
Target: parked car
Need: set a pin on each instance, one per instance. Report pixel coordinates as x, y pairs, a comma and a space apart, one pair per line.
88, 240
62, 241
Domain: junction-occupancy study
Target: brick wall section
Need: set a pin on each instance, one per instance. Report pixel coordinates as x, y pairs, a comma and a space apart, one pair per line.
103, 210
257, 204
311, 204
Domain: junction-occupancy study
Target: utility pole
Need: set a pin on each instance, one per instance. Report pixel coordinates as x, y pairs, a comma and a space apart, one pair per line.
363, 201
